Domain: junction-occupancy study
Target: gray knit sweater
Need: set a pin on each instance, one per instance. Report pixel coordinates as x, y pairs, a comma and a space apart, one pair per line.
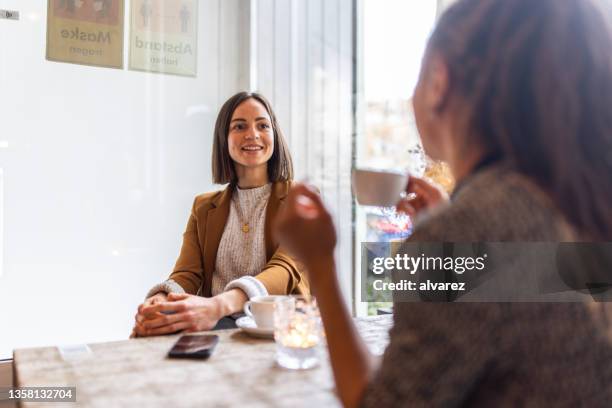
496, 354
243, 254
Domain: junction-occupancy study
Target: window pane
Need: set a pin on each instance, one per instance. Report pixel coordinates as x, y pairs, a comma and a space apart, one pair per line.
394, 34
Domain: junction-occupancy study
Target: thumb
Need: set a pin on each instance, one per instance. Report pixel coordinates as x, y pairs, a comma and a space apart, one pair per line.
155, 300
177, 296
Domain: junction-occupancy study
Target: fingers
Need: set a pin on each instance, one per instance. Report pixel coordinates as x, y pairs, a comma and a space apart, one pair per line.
178, 296
306, 208
142, 306
303, 193
139, 318
156, 299
304, 204
175, 306
304, 190
418, 186
140, 330
305, 228
416, 181
153, 310
164, 320
170, 328
146, 312
429, 194
405, 206
421, 195
147, 302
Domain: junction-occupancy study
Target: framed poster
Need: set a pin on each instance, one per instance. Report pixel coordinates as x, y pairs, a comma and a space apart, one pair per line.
88, 32
163, 36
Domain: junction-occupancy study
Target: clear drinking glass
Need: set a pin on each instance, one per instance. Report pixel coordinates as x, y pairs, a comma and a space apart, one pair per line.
297, 333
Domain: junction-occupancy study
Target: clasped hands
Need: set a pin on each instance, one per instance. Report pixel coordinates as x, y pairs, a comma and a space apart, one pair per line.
164, 314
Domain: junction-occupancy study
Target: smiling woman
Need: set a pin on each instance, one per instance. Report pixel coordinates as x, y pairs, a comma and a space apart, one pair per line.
228, 254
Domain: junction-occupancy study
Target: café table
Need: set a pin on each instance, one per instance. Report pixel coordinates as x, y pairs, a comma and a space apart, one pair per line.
241, 372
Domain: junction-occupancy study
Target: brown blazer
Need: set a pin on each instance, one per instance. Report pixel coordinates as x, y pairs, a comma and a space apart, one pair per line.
196, 263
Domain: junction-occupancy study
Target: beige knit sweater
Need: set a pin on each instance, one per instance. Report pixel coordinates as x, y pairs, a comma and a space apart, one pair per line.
242, 254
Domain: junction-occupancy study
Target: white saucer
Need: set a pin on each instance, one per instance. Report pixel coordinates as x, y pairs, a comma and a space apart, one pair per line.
247, 325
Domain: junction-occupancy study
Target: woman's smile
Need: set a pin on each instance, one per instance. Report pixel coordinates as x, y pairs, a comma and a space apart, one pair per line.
252, 148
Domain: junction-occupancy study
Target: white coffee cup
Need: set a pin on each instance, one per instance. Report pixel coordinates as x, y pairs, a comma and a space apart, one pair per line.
378, 188
261, 309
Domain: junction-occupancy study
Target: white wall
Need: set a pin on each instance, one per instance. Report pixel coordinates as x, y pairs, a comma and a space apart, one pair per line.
99, 169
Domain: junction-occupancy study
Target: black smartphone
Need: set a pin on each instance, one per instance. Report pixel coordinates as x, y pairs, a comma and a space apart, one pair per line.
194, 346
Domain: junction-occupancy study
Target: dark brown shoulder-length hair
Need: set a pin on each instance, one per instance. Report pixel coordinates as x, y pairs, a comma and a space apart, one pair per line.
280, 165
536, 79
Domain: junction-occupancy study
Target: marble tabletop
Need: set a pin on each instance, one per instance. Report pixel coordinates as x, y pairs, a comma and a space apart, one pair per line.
136, 373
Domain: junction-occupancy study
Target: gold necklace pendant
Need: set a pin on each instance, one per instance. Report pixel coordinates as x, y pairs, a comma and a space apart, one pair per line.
245, 228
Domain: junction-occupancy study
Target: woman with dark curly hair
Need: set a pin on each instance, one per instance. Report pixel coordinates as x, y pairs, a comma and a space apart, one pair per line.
516, 96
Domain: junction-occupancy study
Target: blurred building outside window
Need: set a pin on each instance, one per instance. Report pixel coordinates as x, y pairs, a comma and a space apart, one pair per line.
392, 38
